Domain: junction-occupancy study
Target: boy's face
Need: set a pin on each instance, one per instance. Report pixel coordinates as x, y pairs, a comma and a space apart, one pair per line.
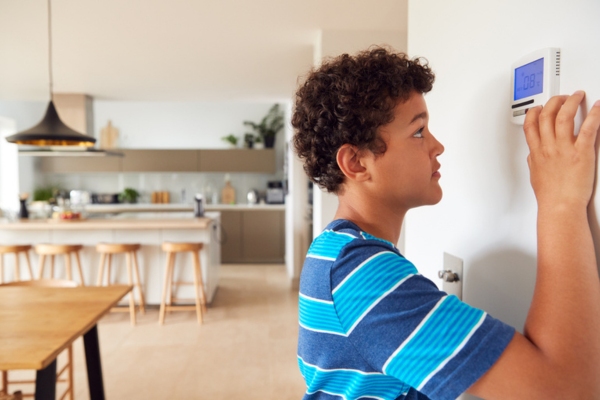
407, 173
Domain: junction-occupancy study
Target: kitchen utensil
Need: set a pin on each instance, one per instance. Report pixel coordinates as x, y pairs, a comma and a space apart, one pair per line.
199, 206
252, 196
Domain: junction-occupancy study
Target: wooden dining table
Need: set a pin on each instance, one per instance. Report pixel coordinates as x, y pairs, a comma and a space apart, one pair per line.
37, 323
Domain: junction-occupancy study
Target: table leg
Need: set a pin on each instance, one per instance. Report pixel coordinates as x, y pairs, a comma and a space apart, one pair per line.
45, 383
94, 367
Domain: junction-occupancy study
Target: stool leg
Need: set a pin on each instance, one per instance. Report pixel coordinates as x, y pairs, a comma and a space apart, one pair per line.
52, 266
130, 281
196, 288
202, 292
29, 265
101, 269
2, 270
78, 260
41, 266
170, 279
17, 268
161, 315
138, 282
68, 266
108, 270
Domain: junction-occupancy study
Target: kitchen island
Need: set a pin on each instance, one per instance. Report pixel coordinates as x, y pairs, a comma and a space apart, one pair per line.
148, 229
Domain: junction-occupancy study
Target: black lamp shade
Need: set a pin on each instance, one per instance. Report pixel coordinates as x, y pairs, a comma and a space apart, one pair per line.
51, 131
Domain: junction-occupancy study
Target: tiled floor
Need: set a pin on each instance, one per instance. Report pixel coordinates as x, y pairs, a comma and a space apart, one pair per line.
246, 348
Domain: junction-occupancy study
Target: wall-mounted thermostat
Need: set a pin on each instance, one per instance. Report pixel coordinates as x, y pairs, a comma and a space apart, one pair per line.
535, 78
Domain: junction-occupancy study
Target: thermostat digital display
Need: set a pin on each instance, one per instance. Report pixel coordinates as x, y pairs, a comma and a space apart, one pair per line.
535, 79
529, 79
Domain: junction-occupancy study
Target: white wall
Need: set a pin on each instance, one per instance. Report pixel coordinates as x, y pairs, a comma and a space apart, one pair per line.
9, 168
177, 125
488, 213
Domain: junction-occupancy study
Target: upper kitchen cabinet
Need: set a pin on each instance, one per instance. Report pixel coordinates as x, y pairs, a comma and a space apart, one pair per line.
74, 165
147, 160
237, 160
159, 160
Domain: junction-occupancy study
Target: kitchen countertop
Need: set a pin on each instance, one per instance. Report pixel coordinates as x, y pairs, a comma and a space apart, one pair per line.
117, 208
106, 223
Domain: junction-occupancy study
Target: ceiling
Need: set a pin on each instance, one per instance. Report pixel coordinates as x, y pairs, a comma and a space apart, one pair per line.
174, 50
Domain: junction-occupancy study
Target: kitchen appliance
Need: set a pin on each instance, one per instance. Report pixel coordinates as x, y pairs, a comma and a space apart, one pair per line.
80, 197
199, 206
252, 196
275, 193
105, 198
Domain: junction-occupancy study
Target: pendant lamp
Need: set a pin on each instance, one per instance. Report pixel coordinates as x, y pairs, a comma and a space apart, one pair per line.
51, 131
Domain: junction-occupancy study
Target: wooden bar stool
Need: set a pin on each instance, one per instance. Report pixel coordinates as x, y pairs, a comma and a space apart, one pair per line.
172, 249
15, 249
66, 250
106, 250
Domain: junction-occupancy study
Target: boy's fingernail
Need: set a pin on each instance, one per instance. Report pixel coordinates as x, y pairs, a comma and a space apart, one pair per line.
597, 103
579, 92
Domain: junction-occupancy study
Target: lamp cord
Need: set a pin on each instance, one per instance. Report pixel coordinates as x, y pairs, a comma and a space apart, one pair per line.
50, 48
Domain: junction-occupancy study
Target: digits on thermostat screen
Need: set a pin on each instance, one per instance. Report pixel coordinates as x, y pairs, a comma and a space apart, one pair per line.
529, 79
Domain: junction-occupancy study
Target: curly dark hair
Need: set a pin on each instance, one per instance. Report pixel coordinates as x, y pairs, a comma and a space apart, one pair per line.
346, 100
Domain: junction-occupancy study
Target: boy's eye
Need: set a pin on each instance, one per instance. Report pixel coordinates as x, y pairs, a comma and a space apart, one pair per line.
419, 133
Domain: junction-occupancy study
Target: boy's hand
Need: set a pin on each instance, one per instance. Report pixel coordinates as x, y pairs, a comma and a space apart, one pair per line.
562, 165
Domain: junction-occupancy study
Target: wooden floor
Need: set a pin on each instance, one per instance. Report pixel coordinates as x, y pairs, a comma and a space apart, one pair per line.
246, 348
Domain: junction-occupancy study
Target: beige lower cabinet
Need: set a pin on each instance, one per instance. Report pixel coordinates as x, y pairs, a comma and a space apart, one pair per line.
255, 236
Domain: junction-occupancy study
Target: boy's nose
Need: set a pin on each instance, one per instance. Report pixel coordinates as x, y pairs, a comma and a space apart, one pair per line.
437, 146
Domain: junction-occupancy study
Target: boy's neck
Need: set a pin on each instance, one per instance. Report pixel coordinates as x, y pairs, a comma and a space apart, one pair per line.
376, 220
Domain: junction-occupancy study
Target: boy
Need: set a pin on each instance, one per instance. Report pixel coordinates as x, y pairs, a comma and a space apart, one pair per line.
370, 325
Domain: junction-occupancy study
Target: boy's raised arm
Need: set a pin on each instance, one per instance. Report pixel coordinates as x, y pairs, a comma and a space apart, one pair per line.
559, 354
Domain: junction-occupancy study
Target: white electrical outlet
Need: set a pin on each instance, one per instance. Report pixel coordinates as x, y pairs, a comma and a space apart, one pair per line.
452, 275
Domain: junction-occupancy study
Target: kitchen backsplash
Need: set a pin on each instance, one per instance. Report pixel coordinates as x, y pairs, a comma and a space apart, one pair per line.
181, 186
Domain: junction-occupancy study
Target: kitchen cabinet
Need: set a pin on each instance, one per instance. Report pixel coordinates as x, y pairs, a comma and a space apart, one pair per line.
139, 160
73, 165
253, 236
231, 236
237, 160
157, 160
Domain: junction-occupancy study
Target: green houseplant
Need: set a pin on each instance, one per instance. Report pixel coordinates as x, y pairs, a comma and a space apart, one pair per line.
231, 139
269, 126
129, 195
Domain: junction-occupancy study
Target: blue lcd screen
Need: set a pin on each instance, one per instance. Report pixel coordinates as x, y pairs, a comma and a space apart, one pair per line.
529, 79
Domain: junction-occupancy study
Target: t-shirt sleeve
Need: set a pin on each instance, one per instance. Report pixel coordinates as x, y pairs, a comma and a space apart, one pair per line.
405, 327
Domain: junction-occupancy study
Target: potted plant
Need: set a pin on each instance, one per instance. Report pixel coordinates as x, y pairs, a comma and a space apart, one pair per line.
129, 195
269, 126
249, 140
258, 142
231, 139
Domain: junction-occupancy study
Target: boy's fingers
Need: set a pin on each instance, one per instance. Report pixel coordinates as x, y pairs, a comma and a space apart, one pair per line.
548, 118
531, 127
565, 123
589, 128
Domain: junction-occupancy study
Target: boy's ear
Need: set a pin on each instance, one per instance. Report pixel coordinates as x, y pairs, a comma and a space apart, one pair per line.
350, 160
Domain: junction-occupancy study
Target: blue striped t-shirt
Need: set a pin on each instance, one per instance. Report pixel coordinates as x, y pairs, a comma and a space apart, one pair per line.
371, 327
